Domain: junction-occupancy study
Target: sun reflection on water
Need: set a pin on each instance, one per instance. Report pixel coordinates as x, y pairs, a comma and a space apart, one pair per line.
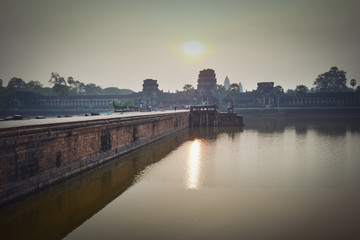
193, 165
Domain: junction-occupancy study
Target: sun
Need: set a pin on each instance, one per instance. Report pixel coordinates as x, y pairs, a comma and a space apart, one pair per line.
192, 48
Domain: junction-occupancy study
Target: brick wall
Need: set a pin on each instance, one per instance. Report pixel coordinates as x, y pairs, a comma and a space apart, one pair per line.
35, 157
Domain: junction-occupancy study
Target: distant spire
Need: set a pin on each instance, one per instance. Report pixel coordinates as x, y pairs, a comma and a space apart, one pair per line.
240, 87
227, 83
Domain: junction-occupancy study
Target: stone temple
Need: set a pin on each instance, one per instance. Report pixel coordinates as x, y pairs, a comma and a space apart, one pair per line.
206, 86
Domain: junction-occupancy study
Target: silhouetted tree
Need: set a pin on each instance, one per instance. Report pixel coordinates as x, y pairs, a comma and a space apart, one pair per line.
16, 83
188, 91
233, 91
300, 91
290, 91
92, 89
332, 81
60, 87
220, 92
353, 83
116, 91
70, 80
76, 87
33, 84
112, 91
61, 90
57, 79
357, 89
1, 83
278, 91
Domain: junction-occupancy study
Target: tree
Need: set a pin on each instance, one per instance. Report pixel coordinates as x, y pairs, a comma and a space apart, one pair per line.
76, 87
1, 83
17, 83
33, 84
116, 91
353, 83
357, 89
92, 89
59, 85
57, 79
332, 81
61, 90
300, 91
188, 91
290, 92
220, 92
278, 91
70, 80
233, 91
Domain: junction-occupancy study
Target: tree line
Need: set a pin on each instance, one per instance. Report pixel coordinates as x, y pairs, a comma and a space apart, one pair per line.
60, 87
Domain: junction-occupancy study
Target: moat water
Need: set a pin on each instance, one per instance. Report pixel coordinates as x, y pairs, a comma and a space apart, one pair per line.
276, 178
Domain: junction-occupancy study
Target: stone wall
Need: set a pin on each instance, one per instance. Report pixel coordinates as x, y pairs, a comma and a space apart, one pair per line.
34, 157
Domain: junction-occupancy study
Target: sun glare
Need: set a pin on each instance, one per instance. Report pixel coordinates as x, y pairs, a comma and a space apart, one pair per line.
192, 48
193, 165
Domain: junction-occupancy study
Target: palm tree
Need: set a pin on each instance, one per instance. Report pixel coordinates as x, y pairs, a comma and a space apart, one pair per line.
353, 83
57, 79
60, 87
188, 91
233, 92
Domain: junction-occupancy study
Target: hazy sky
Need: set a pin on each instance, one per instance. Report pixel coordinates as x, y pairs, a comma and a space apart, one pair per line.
121, 43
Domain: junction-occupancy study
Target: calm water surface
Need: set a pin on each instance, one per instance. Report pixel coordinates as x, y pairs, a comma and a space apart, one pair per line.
273, 179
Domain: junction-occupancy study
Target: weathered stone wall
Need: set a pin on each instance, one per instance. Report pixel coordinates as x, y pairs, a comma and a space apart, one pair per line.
35, 157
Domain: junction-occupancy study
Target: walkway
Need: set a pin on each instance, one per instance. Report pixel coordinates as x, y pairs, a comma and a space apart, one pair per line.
33, 122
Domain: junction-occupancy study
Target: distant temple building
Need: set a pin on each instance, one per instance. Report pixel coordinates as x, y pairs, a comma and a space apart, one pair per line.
206, 86
265, 86
265, 89
265, 96
227, 83
151, 92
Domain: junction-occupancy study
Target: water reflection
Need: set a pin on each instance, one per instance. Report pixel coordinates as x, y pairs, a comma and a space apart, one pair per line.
272, 177
329, 126
193, 165
53, 213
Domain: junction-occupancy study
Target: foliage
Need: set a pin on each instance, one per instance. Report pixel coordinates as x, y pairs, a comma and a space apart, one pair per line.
60, 87
33, 84
331, 81
92, 89
116, 91
2, 97
278, 91
61, 90
16, 83
300, 91
56, 79
220, 92
290, 92
76, 87
358, 89
1, 83
233, 91
353, 82
188, 91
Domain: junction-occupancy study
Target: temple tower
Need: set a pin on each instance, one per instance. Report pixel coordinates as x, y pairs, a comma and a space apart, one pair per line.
227, 83
206, 86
